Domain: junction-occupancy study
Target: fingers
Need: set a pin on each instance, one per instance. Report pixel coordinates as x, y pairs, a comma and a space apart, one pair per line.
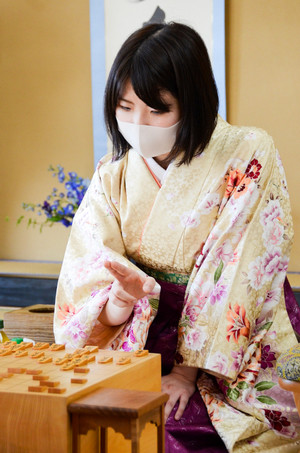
182, 405
179, 389
168, 387
119, 296
130, 281
182, 400
149, 285
120, 272
116, 268
168, 408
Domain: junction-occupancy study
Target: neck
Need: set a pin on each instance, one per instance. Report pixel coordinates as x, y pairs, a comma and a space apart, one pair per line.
159, 160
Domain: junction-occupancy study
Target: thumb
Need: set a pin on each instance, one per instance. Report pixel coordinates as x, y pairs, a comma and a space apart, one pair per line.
149, 284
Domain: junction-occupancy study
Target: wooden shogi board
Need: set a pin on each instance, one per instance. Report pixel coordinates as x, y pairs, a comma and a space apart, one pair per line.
35, 420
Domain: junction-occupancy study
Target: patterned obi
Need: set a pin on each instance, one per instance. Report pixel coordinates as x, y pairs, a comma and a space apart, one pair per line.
178, 279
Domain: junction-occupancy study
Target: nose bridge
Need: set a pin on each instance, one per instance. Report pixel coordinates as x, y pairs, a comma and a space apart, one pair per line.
140, 116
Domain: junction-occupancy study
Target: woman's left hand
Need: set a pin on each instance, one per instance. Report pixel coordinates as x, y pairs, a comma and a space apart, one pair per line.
180, 385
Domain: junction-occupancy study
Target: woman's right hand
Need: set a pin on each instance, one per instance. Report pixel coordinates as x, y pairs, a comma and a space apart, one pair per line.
127, 288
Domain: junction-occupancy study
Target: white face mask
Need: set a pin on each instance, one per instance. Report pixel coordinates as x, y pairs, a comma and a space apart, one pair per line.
149, 141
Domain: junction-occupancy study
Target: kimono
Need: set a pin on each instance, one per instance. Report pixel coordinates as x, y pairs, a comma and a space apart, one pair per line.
221, 226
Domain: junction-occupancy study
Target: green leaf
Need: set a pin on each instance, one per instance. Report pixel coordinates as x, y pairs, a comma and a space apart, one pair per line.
233, 394
6, 218
29, 223
20, 219
266, 326
266, 399
264, 385
242, 385
218, 272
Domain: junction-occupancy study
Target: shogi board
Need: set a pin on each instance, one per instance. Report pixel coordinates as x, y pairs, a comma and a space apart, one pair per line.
38, 422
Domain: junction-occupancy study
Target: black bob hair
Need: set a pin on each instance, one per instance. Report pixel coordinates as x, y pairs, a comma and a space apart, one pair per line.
166, 57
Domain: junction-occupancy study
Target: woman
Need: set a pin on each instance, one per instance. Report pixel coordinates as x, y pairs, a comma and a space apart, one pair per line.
181, 246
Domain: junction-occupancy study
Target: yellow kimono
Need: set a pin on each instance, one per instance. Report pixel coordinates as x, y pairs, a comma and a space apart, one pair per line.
222, 225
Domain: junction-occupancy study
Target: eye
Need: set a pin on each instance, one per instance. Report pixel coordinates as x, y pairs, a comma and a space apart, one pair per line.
157, 112
124, 107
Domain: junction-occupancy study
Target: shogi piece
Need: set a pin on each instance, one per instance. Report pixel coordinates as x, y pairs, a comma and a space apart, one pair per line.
126, 411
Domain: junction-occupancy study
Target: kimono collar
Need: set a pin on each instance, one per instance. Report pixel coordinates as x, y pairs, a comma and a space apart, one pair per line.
158, 171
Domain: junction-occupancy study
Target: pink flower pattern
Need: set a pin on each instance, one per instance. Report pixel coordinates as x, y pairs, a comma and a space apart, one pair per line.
271, 262
224, 252
66, 312
271, 212
238, 358
218, 294
273, 233
76, 330
190, 219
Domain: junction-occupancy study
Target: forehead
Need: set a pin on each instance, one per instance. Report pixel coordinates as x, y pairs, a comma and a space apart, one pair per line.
127, 90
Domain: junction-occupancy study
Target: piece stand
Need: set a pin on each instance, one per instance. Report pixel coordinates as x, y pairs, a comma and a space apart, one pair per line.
126, 411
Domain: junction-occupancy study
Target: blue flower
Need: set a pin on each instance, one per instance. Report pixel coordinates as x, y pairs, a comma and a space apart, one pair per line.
66, 222
68, 209
60, 206
46, 206
61, 175
47, 209
55, 204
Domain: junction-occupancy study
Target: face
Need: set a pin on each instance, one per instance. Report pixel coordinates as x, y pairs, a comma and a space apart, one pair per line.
132, 109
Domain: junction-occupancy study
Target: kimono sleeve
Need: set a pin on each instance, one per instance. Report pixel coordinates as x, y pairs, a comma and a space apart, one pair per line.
84, 283
236, 285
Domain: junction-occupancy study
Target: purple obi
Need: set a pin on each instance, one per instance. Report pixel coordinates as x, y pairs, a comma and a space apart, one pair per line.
194, 432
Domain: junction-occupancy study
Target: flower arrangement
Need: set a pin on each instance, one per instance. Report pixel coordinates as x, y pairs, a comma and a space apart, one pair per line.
60, 206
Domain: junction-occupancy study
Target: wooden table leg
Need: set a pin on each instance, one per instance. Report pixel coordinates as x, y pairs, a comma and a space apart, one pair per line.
161, 431
103, 440
75, 434
135, 436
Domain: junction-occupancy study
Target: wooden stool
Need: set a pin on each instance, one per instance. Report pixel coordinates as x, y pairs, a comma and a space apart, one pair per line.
126, 411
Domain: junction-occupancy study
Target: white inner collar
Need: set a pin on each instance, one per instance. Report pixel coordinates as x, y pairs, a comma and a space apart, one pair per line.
159, 171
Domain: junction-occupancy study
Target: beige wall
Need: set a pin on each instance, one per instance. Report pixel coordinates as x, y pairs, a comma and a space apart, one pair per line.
45, 114
263, 69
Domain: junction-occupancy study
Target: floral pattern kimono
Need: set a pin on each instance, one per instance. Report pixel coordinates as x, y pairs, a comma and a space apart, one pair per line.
222, 225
